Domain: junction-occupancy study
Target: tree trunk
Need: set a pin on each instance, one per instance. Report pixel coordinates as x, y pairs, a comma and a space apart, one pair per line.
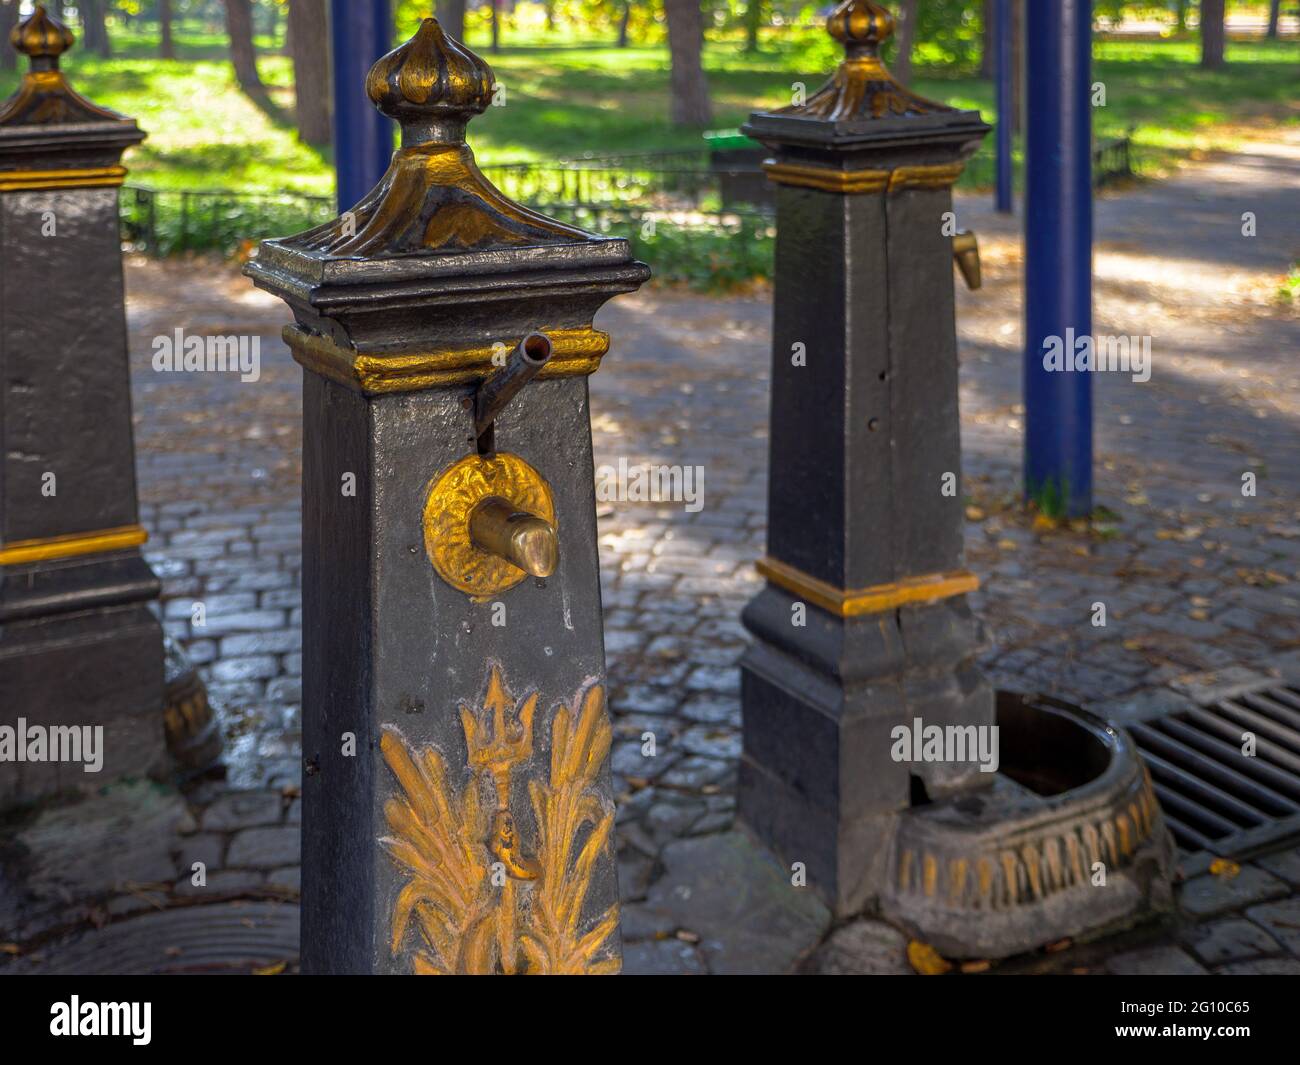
94, 28
988, 40
689, 86
753, 20
239, 25
8, 19
496, 25
623, 20
1274, 15
307, 32
1180, 16
906, 36
451, 16
1212, 34
166, 48
1017, 65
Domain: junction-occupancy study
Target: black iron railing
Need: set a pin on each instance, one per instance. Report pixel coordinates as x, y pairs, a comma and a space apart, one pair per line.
714, 187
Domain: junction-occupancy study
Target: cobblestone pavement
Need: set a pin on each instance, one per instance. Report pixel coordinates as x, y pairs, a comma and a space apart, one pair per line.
1195, 576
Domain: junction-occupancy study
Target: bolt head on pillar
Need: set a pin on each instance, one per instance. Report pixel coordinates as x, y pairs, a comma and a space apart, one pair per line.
458, 807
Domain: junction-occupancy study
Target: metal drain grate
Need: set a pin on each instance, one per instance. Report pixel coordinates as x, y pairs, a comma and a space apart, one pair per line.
1214, 797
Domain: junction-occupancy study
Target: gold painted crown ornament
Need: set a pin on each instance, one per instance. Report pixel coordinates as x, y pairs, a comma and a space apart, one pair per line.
433, 198
44, 96
862, 87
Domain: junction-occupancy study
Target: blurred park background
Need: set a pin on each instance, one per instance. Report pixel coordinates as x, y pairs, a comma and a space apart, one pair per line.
609, 110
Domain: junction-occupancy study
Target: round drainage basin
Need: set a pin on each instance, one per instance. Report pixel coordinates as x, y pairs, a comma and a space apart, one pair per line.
1067, 840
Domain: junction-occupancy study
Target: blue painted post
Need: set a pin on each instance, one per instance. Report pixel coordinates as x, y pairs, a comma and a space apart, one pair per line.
360, 32
1006, 120
1058, 254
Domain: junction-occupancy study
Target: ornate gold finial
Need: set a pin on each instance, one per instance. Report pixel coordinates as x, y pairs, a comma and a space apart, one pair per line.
862, 87
41, 37
861, 24
432, 85
44, 96
434, 198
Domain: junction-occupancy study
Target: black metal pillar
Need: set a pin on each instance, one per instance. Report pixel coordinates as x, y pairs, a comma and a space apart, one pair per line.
79, 647
863, 624
457, 806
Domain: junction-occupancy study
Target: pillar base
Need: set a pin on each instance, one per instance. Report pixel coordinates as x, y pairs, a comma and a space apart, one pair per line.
104, 668
817, 782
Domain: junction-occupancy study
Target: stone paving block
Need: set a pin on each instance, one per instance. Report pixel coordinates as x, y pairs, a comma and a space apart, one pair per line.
206, 847
711, 741
1154, 961
1262, 967
1281, 920
667, 957
243, 809
1209, 895
265, 848
1231, 939
247, 621
741, 903
262, 643
862, 946
1285, 865
251, 667
289, 876
219, 882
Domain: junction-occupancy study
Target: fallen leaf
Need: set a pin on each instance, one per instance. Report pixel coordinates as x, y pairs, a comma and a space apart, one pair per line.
1225, 868
926, 960
271, 970
974, 513
687, 936
10, 948
1059, 945
981, 965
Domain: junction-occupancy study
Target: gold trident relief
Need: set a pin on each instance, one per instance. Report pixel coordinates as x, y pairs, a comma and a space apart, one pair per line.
473, 901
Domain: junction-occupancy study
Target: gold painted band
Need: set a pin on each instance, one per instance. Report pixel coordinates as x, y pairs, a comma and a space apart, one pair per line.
575, 353
854, 602
863, 181
71, 545
71, 178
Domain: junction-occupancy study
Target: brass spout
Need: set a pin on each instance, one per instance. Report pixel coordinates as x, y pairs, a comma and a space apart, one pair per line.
966, 250
521, 366
522, 539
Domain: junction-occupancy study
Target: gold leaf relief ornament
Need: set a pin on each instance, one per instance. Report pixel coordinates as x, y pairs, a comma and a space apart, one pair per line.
531, 920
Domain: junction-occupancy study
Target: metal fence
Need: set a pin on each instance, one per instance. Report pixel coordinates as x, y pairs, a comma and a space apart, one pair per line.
618, 188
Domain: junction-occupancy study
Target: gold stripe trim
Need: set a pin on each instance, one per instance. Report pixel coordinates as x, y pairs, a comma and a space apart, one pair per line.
854, 602
863, 181
72, 178
72, 545
574, 353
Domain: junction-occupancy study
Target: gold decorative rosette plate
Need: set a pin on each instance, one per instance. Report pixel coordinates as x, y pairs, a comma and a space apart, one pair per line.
452, 499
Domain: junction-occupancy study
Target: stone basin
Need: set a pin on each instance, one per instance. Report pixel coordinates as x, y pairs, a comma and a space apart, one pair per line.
1068, 841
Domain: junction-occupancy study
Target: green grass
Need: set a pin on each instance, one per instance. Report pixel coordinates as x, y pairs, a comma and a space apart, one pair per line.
565, 97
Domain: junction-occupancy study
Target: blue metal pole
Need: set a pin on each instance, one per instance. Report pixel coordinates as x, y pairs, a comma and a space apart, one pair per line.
1058, 255
360, 32
1006, 120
